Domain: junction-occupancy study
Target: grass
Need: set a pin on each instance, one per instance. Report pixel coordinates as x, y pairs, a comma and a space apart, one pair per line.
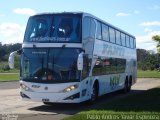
135, 107
9, 76
10, 71
148, 74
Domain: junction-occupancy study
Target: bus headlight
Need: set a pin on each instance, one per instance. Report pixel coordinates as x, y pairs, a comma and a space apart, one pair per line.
70, 88
24, 87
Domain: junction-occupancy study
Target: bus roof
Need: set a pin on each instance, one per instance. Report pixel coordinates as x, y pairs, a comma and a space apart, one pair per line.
86, 14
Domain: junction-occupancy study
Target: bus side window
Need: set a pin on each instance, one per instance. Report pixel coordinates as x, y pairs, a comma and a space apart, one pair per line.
86, 28
97, 68
127, 41
99, 31
118, 37
113, 65
112, 35
134, 43
123, 39
131, 42
121, 64
105, 32
92, 29
89, 28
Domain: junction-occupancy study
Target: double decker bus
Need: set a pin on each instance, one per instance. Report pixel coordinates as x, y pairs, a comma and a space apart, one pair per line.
74, 57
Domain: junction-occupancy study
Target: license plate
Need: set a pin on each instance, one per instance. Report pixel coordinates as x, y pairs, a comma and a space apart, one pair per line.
45, 100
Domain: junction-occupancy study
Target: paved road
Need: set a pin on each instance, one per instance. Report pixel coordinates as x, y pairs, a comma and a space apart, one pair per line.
10, 102
9, 85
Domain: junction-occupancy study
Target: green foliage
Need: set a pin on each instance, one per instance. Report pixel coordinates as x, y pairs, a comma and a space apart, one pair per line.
147, 61
4, 66
5, 50
157, 39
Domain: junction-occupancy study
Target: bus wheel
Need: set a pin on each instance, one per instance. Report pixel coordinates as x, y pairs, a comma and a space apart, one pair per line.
48, 103
129, 85
94, 94
125, 89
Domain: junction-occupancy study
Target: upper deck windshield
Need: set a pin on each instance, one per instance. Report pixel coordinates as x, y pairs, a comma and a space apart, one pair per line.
54, 28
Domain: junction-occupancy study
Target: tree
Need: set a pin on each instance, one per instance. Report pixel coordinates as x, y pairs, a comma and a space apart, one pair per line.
147, 61
5, 50
157, 39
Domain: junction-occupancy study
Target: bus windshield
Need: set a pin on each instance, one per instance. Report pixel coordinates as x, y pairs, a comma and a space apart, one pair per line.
50, 65
53, 28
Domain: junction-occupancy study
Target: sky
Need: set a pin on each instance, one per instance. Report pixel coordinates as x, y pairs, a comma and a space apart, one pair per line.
140, 18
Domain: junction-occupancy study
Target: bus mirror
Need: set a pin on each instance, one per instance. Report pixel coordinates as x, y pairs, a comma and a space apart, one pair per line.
11, 59
80, 61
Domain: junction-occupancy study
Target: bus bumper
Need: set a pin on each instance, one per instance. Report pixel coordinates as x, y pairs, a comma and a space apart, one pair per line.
73, 97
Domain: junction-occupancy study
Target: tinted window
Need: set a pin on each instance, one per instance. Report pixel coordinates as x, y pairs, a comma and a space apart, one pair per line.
131, 42
99, 68
89, 28
123, 39
99, 33
121, 64
53, 28
113, 65
50, 65
134, 43
112, 35
127, 41
92, 29
38, 27
105, 66
118, 37
105, 32
86, 28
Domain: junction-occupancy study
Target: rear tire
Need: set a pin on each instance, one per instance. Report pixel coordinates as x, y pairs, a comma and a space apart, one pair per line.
129, 85
125, 89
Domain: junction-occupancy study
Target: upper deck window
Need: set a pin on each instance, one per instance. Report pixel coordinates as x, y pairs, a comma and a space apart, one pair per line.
123, 38
53, 28
118, 37
105, 32
112, 35
99, 31
127, 41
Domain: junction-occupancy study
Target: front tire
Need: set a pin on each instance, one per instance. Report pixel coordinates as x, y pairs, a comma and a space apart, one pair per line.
94, 94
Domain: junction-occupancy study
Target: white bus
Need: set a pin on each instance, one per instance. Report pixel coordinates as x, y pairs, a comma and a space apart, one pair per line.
74, 57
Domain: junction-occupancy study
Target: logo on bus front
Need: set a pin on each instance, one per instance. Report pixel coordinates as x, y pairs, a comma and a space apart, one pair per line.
46, 88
